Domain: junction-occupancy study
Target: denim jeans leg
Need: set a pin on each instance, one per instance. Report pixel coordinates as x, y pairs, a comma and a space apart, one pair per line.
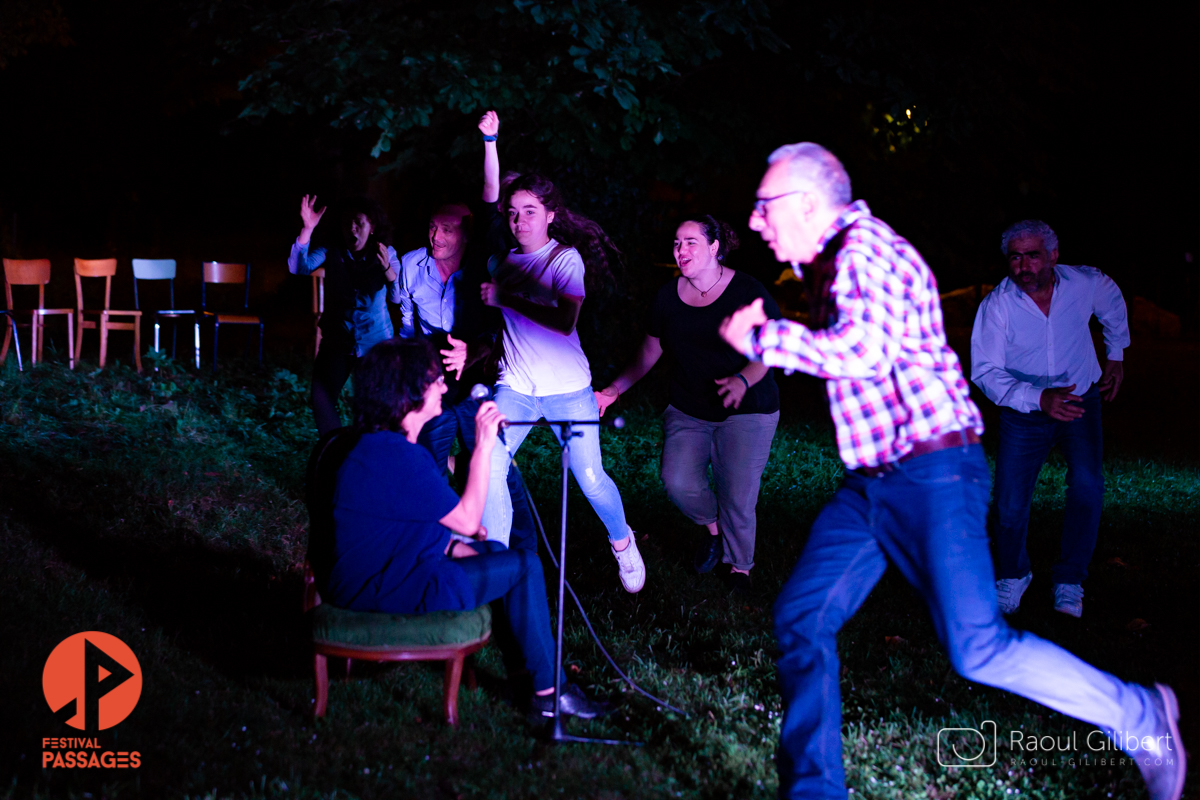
741, 449
331, 370
497, 510
930, 515
515, 577
1025, 441
586, 463
1082, 445
840, 564
687, 449
437, 436
522, 529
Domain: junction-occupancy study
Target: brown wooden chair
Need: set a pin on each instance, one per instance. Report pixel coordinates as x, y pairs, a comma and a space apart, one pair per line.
318, 280
218, 272
448, 636
34, 272
103, 268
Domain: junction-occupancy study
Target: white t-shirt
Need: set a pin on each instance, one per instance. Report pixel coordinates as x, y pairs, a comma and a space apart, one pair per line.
538, 361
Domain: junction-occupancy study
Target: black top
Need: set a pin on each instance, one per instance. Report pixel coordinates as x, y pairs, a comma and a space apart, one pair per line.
697, 355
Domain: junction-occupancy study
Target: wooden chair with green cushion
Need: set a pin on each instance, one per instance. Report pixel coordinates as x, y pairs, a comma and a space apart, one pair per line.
448, 636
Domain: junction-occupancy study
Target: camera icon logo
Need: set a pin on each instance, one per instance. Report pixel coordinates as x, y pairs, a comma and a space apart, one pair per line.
968, 748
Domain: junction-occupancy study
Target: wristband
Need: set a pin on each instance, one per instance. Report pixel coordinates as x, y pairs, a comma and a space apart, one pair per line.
488, 138
743, 377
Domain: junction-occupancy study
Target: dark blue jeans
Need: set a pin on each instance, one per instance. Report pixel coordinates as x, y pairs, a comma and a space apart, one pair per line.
514, 577
928, 516
1025, 442
438, 435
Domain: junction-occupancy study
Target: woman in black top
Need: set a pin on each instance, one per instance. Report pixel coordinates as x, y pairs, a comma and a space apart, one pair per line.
723, 408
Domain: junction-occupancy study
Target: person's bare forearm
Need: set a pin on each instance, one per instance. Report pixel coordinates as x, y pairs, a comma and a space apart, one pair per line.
465, 517
754, 372
647, 356
491, 173
560, 318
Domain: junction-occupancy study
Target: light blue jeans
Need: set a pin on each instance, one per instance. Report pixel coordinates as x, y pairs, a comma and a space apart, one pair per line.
589, 473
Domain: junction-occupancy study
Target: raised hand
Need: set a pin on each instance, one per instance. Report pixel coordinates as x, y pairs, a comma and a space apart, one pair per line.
310, 215
487, 424
455, 359
489, 123
735, 327
1061, 405
606, 397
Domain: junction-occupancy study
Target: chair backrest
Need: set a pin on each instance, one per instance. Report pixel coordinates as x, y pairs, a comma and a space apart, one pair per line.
224, 272
154, 269
26, 272
318, 276
94, 268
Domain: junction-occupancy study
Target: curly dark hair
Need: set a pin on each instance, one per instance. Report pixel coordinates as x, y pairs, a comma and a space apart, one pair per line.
390, 381
569, 228
716, 230
351, 207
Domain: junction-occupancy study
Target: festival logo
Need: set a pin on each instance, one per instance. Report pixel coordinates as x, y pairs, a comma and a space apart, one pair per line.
92, 681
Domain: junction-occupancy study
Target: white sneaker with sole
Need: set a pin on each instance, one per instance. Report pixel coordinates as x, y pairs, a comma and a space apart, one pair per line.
1068, 598
630, 565
1009, 591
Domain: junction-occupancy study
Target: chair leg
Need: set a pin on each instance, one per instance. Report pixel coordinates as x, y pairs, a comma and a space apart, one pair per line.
469, 668
260, 335
9, 336
78, 340
321, 679
70, 355
16, 343
454, 668
40, 322
349, 661
137, 342
216, 328
103, 326
197, 335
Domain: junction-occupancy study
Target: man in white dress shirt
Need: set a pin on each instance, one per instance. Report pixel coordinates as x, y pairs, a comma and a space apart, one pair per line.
1032, 354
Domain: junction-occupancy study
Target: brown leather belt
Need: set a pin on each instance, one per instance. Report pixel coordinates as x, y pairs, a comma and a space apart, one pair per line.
924, 448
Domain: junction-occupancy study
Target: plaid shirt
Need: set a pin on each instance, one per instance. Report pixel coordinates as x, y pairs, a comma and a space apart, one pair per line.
892, 379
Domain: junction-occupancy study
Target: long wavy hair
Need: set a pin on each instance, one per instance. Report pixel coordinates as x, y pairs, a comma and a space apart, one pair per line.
570, 228
390, 381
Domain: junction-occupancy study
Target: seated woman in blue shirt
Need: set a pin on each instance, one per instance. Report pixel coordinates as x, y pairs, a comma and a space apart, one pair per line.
360, 276
381, 523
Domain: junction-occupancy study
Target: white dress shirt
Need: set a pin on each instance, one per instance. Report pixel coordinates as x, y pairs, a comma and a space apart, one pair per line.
1017, 351
421, 284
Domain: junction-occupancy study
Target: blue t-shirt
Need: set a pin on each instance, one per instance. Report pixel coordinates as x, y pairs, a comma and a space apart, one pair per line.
389, 548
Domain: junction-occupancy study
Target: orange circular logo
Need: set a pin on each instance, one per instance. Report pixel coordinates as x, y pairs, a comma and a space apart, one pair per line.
92, 681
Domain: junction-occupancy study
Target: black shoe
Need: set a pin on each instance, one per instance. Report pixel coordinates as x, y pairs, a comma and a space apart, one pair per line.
709, 553
741, 583
574, 703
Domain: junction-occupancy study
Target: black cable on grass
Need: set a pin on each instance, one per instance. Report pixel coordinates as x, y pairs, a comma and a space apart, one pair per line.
595, 637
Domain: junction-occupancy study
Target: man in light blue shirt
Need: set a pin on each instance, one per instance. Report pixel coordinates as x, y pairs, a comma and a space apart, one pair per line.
1032, 354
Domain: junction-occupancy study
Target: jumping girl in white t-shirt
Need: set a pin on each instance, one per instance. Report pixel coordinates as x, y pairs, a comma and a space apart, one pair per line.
544, 373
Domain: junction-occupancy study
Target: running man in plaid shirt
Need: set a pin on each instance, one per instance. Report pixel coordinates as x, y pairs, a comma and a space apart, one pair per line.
916, 486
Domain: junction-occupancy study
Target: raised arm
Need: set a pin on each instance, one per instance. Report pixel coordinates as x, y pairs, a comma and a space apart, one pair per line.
645, 358
489, 125
303, 260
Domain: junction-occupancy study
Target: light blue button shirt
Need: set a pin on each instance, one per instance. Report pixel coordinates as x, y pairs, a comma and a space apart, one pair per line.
421, 284
355, 292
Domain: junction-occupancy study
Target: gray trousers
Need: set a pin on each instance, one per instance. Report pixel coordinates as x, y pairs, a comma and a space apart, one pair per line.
737, 449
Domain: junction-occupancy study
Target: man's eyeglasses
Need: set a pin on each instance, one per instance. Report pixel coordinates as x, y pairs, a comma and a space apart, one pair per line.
760, 205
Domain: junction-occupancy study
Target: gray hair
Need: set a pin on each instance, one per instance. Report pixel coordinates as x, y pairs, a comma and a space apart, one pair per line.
814, 167
1029, 227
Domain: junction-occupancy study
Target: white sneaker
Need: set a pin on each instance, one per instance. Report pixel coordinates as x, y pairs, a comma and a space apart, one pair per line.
1068, 598
1009, 591
630, 565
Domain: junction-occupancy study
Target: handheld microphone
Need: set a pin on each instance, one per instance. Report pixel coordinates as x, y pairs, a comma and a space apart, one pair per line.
480, 392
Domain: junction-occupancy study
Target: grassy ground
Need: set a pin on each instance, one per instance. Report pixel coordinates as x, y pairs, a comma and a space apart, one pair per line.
167, 509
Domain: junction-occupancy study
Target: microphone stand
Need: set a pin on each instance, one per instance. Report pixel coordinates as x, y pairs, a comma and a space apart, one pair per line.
555, 730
